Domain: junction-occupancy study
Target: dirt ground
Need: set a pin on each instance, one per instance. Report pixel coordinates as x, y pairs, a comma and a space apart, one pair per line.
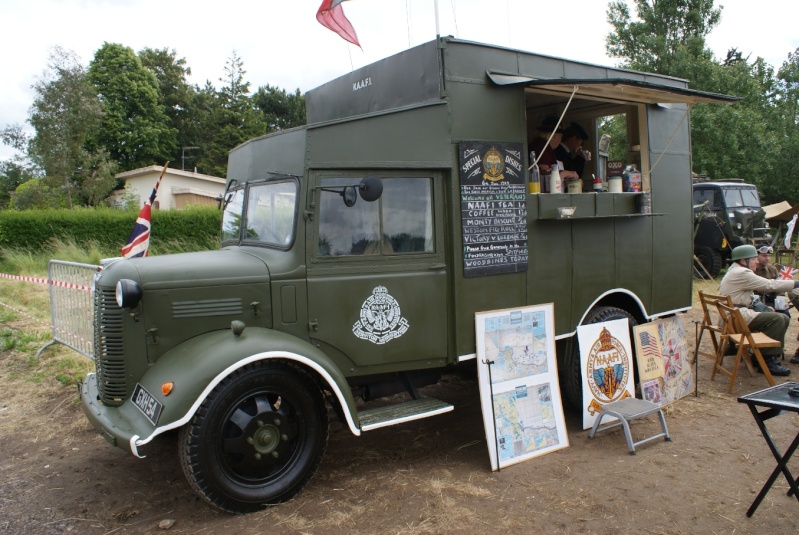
429, 476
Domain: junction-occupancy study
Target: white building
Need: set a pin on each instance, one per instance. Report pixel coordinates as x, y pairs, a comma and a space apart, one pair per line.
178, 188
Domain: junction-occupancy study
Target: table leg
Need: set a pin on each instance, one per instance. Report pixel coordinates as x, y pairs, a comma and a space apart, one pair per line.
782, 463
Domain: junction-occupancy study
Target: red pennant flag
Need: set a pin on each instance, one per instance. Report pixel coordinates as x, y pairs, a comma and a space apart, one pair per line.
139, 239
331, 16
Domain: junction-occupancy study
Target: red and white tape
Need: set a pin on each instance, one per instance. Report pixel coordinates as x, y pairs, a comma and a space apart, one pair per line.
70, 285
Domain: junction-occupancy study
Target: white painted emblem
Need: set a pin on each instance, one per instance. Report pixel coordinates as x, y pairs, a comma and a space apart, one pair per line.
381, 320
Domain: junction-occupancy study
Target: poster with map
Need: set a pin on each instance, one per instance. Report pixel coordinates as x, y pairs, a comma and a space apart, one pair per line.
518, 378
671, 377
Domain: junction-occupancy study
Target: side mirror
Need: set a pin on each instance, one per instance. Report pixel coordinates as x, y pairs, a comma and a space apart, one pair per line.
370, 188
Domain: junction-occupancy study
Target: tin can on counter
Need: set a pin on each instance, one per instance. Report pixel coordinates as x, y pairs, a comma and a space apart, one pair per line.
574, 185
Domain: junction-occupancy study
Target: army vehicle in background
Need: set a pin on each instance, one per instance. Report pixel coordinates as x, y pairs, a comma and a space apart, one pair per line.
727, 213
356, 250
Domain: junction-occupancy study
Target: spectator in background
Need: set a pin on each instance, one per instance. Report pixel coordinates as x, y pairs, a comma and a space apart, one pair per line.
767, 270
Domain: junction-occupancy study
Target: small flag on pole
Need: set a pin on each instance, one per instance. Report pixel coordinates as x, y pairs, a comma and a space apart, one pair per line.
787, 272
139, 240
331, 16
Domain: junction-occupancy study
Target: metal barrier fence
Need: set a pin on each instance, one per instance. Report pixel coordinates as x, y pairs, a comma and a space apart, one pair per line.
72, 305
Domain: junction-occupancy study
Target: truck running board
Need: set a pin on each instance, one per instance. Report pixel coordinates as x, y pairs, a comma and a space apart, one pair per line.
414, 409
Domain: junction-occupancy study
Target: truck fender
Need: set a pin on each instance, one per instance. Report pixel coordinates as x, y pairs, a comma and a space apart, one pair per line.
197, 365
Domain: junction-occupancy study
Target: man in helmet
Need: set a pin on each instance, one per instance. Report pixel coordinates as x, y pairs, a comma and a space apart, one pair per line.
740, 283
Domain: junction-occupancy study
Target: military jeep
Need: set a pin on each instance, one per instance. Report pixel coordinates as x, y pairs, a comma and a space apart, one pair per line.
356, 250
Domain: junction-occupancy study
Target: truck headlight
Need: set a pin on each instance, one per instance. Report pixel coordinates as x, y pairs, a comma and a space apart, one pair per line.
128, 293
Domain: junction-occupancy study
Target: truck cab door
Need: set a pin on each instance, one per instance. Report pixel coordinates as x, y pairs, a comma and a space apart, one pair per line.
377, 278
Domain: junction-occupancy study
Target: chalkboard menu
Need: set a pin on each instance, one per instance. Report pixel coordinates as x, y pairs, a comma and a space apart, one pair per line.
493, 208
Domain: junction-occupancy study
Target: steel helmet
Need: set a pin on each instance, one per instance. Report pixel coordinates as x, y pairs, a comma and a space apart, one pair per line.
743, 251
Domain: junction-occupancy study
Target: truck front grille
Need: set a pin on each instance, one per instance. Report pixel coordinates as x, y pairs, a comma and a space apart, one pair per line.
109, 355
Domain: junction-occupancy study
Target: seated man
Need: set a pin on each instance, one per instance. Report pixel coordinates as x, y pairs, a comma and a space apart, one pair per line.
740, 283
767, 270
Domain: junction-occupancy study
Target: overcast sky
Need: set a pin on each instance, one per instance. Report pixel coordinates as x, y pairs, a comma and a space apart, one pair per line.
282, 44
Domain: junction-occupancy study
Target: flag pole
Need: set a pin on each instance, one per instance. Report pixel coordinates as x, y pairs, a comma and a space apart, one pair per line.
438, 33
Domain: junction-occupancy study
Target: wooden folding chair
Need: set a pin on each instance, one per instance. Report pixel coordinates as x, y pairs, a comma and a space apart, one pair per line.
711, 322
737, 330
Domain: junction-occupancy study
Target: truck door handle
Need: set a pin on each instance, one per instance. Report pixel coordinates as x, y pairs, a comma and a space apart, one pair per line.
313, 325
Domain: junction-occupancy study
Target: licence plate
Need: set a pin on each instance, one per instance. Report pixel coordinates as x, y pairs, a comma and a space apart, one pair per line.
146, 403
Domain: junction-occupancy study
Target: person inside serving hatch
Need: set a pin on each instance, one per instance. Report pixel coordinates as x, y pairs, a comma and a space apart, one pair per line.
546, 153
740, 283
570, 151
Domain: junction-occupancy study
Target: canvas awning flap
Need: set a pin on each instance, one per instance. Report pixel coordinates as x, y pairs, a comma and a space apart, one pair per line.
620, 89
781, 211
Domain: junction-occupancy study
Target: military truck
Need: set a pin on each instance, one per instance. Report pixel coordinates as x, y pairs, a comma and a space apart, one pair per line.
356, 250
727, 213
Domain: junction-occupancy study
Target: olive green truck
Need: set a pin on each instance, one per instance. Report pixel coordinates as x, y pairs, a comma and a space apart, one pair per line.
356, 250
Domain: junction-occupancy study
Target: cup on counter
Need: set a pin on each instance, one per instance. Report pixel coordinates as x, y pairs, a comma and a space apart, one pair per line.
614, 184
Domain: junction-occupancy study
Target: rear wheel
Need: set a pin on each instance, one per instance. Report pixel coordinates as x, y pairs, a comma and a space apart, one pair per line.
573, 376
710, 259
257, 439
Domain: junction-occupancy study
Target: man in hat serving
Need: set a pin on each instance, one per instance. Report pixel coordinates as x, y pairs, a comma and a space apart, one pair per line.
545, 153
570, 151
740, 283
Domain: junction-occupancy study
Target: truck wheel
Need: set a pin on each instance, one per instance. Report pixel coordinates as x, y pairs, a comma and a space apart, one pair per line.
257, 438
573, 380
710, 258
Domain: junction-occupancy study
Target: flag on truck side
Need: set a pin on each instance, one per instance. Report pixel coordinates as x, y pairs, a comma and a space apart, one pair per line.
331, 16
139, 239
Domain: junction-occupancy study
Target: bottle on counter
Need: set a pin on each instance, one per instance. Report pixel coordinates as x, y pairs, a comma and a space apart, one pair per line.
597, 183
535, 175
554, 180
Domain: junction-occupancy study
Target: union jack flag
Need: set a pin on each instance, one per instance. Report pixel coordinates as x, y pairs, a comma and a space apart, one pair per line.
139, 239
787, 273
331, 16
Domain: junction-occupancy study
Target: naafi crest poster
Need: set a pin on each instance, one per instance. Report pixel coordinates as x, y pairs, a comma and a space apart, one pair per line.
606, 360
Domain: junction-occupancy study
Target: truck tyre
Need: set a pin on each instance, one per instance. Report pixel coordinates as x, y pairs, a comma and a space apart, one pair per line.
573, 383
257, 438
710, 258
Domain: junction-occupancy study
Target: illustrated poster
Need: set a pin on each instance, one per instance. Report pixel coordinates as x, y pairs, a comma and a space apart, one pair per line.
606, 359
664, 340
518, 378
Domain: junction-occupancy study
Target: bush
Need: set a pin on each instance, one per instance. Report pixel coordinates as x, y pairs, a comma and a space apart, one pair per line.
29, 230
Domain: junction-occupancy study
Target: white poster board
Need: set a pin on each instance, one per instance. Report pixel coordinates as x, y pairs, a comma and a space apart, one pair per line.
606, 360
518, 378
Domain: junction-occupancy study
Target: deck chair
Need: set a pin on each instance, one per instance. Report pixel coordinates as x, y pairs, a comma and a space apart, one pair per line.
711, 323
737, 330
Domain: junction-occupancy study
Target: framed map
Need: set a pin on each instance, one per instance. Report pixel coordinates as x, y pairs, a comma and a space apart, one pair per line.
518, 378
663, 365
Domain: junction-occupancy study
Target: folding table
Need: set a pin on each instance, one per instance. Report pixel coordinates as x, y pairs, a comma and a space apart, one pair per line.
774, 401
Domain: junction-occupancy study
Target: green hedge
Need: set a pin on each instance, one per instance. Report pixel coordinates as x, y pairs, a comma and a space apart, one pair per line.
108, 227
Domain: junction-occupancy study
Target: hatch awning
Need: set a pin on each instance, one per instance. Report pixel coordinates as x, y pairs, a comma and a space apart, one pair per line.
619, 89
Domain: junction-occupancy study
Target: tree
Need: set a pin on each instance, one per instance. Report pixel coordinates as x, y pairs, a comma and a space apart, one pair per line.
666, 31
17, 170
281, 109
135, 129
669, 39
176, 95
783, 183
65, 114
233, 118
